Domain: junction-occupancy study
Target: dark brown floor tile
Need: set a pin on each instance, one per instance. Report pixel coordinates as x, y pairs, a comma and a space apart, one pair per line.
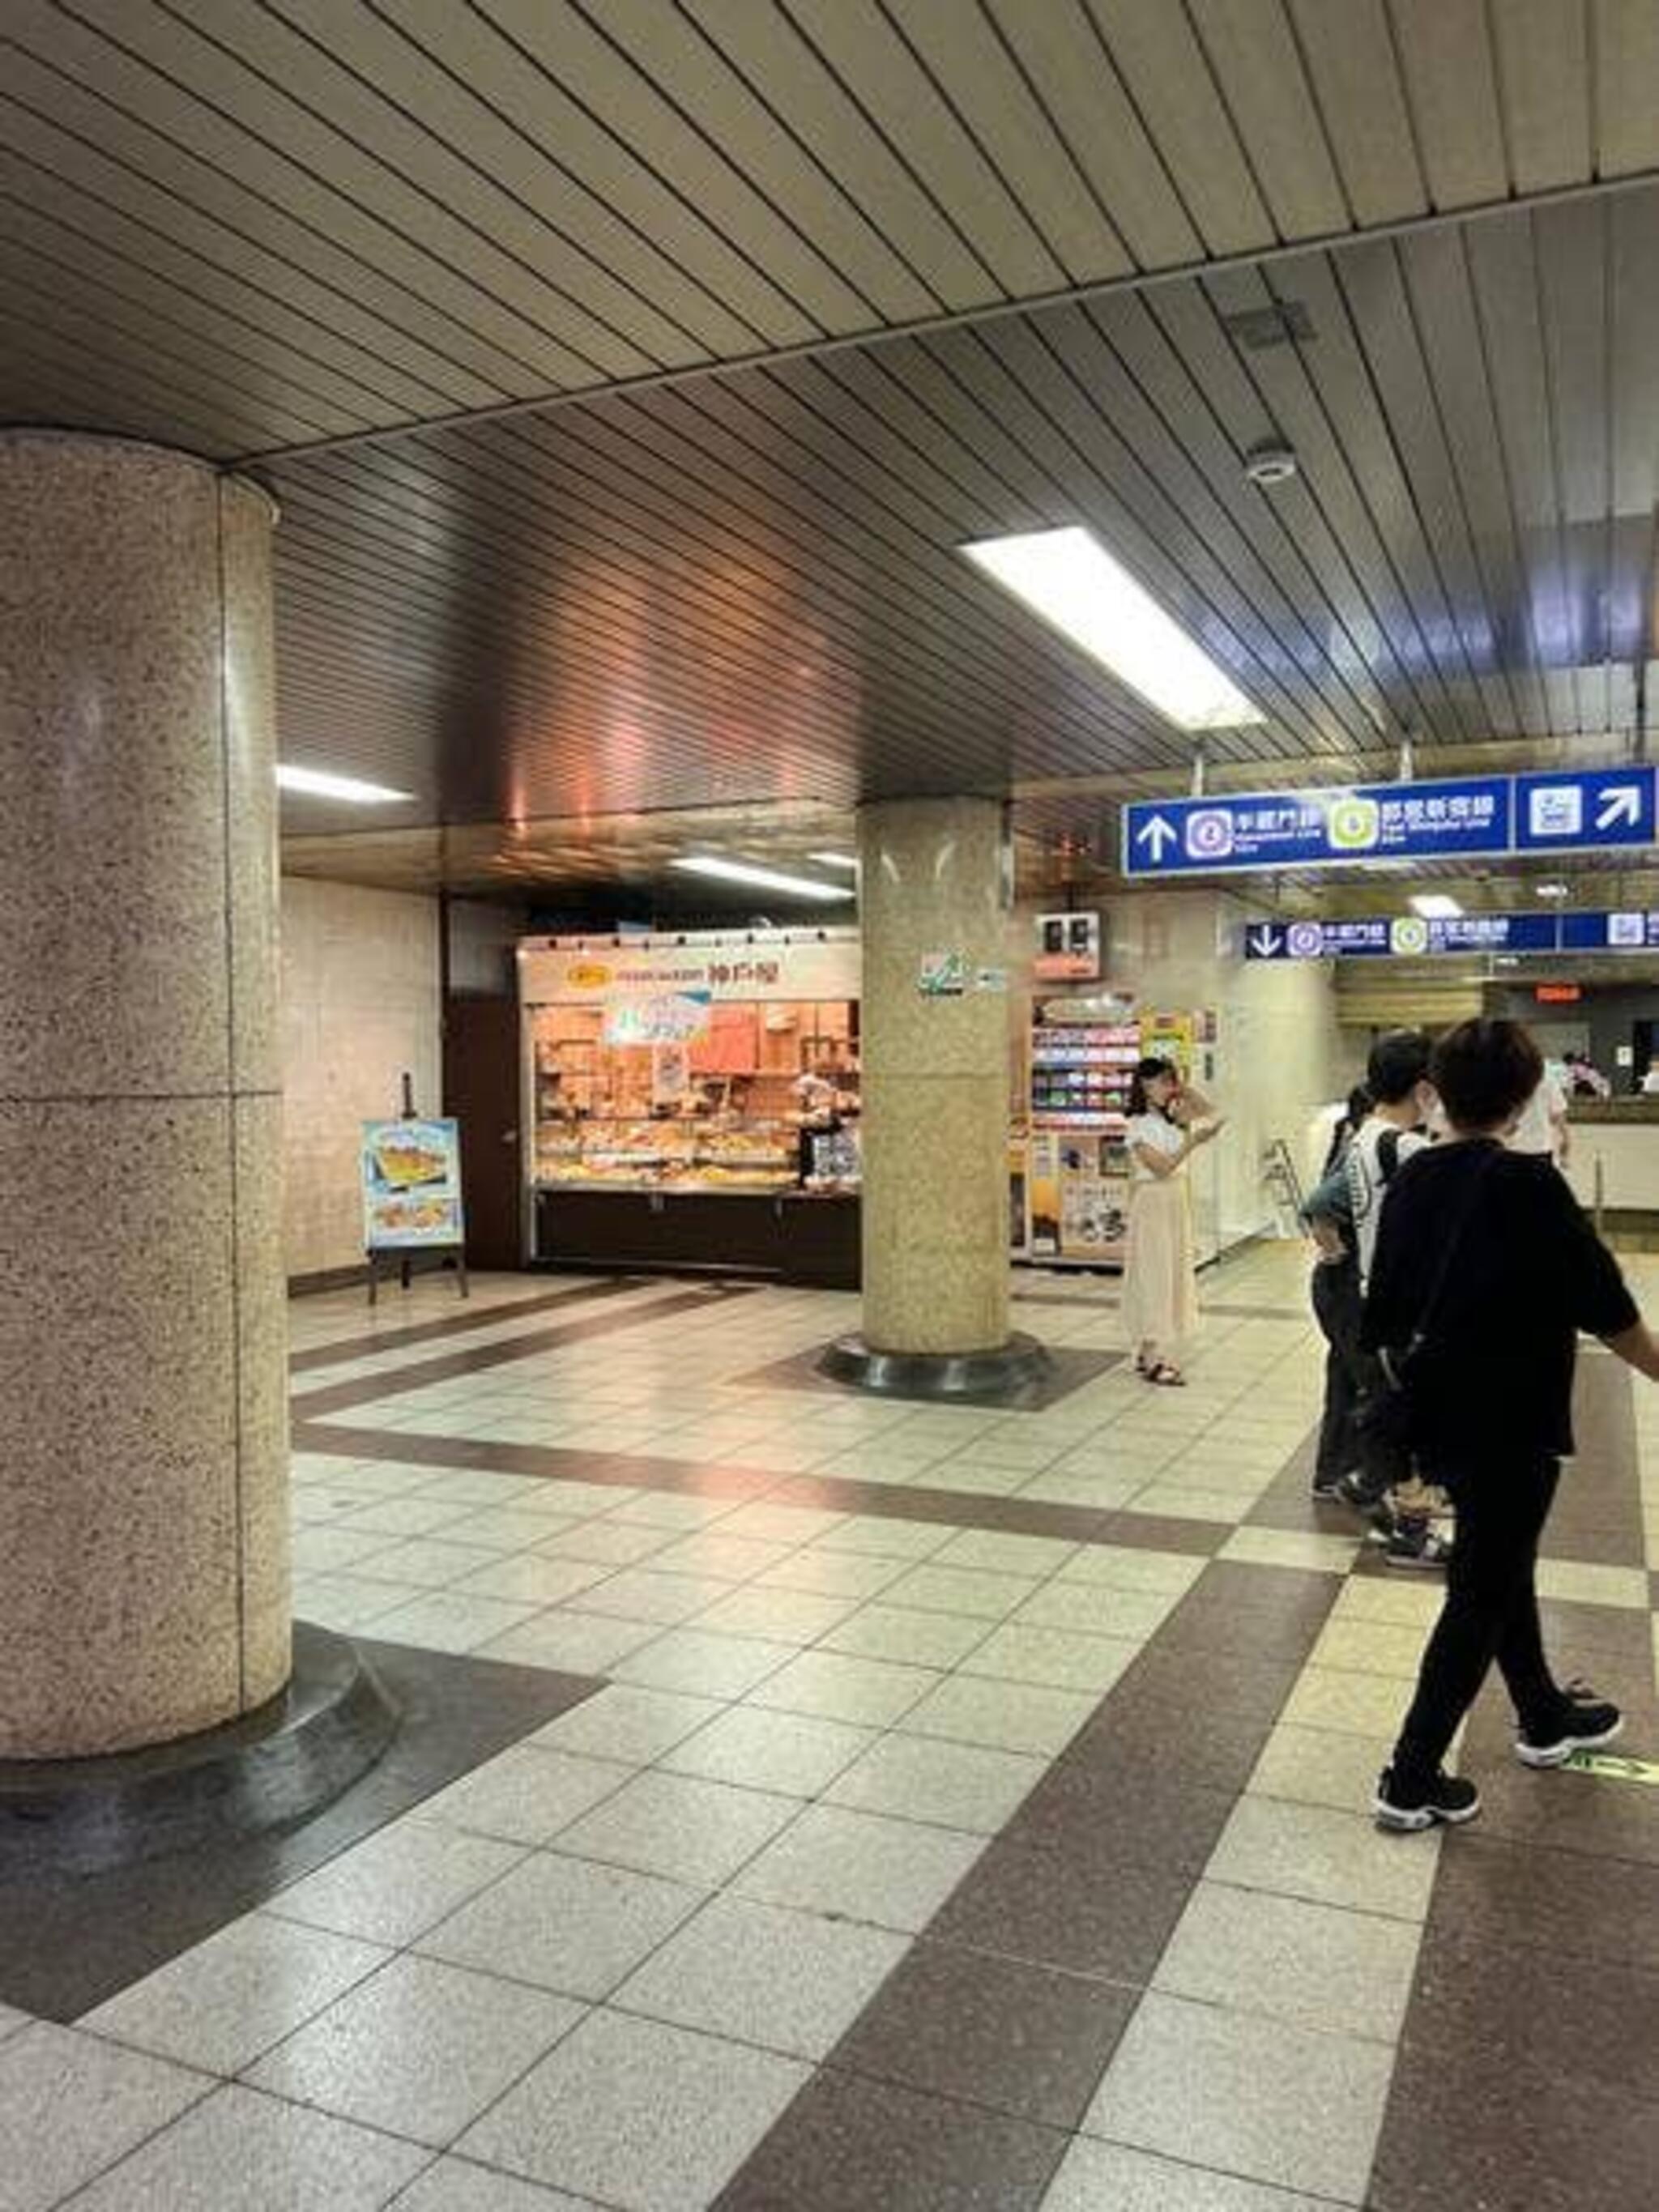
1599, 1628
1601, 1543
1116, 1808
1550, 2012
1490, 1891
1602, 1817
1461, 2136
849, 2144
1000, 2032
67, 1944
1213, 1749
1014, 1517
368, 1345
1269, 1589
1219, 1626
1087, 1915
1160, 1532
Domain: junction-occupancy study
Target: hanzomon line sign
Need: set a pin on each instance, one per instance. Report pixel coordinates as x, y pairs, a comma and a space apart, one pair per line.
1466, 817
1408, 937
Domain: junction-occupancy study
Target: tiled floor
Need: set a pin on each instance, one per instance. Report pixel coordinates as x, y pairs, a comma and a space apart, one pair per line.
972, 1813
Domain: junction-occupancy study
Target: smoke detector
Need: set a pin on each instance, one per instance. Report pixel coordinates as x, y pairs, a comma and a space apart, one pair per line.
1270, 463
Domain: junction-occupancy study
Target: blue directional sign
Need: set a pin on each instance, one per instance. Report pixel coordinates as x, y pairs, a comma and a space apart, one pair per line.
1402, 937
1584, 809
1409, 937
1610, 932
1470, 818
1462, 819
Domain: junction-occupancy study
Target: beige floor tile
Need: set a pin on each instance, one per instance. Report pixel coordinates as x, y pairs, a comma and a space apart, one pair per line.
1593, 1585
1370, 1647
1326, 1856
1251, 2096
1358, 1705
1286, 1547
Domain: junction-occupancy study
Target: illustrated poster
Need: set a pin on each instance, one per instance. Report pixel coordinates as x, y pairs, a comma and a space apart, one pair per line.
411, 1180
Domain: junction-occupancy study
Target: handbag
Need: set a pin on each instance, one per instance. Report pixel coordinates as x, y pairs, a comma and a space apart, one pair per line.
1396, 1413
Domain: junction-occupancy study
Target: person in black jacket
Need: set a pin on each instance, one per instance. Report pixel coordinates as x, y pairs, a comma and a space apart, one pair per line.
1487, 1268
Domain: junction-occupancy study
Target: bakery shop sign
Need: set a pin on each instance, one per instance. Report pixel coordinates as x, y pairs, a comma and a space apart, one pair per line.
680, 976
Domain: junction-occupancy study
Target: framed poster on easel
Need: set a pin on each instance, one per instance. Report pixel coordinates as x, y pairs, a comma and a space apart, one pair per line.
411, 1193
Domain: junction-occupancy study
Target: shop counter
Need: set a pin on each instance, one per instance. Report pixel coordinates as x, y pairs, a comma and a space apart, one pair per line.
787, 1236
1612, 1154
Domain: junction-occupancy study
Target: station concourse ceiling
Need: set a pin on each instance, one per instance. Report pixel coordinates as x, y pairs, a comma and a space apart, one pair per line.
630, 373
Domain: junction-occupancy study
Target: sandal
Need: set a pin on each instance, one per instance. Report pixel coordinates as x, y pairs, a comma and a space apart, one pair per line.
1162, 1372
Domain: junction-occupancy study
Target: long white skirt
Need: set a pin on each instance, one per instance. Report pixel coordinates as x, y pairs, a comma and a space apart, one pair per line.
1160, 1286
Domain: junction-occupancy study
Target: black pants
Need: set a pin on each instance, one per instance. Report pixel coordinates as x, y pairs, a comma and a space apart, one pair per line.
1336, 1305
1352, 1375
1490, 1610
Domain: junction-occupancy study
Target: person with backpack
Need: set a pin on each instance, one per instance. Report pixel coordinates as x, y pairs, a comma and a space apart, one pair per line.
1483, 1272
1379, 1481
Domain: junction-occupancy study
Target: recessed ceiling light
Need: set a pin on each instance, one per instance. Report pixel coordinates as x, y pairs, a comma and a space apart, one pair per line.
761, 879
315, 783
835, 860
1553, 891
1073, 581
1435, 906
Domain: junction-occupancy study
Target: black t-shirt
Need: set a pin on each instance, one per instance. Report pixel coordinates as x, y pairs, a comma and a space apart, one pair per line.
1528, 1273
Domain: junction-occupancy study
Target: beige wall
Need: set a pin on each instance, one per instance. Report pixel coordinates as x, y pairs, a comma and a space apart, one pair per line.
360, 1005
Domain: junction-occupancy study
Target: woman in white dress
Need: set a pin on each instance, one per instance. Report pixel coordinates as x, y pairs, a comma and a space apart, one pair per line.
1168, 1122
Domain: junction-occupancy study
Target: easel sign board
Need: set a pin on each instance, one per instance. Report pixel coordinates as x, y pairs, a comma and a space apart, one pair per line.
411, 1180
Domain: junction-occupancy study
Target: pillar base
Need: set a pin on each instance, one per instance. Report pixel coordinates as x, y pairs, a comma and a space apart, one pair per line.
272, 1769
952, 1375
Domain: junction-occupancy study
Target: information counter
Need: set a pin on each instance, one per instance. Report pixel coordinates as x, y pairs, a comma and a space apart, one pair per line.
1613, 1157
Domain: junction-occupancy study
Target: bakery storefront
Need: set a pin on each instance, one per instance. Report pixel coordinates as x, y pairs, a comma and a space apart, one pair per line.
693, 1102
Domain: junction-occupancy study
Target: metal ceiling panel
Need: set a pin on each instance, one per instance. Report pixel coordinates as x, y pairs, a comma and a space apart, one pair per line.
1450, 71
967, 57
1625, 41
1157, 53
590, 62
748, 584
1544, 80
1059, 50
1348, 49
259, 163
1252, 52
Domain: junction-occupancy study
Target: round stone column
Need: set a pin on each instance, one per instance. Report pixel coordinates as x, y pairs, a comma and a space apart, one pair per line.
143, 1523
933, 1026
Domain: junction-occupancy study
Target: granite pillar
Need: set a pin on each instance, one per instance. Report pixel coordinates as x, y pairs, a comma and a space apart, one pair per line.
934, 912
143, 1458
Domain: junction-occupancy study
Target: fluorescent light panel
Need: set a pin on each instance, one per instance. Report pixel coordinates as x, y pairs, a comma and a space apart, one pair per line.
316, 783
1435, 906
1552, 890
1070, 579
835, 860
760, 880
